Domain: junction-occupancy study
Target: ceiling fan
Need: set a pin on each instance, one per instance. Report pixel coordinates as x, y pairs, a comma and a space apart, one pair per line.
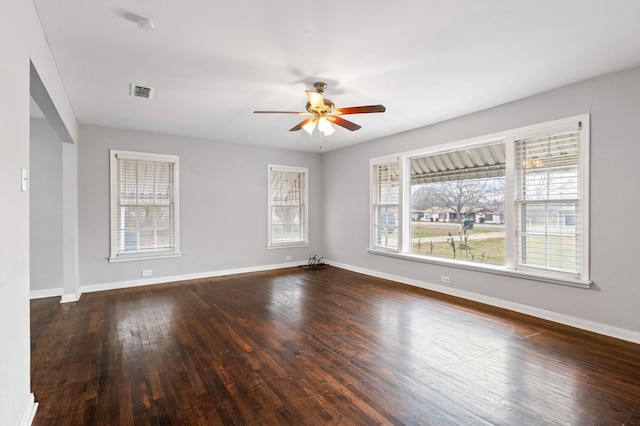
323, 112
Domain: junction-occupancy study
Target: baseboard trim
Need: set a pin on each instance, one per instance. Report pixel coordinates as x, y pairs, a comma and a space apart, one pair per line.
41, 294
595, 327
28, 411
67, 298
90, 288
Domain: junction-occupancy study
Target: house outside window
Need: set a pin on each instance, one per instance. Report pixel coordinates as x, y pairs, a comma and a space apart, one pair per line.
287, 206
145, 207
512, 202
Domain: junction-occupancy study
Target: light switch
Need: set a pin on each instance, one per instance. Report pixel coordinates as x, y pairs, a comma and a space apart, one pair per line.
23, 184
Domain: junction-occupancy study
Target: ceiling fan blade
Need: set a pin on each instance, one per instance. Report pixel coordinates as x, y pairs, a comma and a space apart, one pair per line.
344, 123
315, 99
300, 125
360, 109
281, 112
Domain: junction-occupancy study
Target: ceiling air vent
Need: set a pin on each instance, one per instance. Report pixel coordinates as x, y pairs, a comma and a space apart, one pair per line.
141, 91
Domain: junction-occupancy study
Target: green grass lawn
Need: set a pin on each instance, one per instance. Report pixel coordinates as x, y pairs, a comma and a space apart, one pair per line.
560, 250
424, 230
561, 254
491, 250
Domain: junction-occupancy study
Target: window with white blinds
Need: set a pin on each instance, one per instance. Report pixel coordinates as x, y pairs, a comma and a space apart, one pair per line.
144, 206
549, 201
385, 205
288, 209
519, 206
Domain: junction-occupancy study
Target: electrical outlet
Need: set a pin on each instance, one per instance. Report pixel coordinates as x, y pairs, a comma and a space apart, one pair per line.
444, 279
287, 258
147, 272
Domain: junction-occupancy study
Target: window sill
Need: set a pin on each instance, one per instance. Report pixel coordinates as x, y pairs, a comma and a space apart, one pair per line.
288, 245
145, 256
490, 269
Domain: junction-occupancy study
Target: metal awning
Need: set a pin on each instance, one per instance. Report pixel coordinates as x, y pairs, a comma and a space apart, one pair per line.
485, 161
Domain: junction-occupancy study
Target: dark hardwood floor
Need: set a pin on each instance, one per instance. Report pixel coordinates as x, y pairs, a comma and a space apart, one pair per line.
318, 347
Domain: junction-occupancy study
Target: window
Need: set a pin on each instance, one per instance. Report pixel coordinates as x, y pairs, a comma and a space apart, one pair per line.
385, 204
288, 210
452, 191
515, 202
548, 200
144, 206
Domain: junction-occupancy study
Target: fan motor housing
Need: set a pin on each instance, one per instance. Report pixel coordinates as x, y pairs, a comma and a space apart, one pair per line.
328, 107
320, 86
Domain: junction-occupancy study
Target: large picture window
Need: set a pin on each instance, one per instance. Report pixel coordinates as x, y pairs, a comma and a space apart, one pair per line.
457, 203
513, 201
288, 211
144, 206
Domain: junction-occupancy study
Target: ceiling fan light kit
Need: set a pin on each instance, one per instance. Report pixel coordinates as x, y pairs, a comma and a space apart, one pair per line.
325, 127
324, 113
309, 126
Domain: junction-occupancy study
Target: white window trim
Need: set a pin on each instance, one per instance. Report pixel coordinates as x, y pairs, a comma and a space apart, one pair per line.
305, 199
509, 136
113, 179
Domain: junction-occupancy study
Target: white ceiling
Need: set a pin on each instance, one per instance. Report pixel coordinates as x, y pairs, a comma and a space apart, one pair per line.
212, 63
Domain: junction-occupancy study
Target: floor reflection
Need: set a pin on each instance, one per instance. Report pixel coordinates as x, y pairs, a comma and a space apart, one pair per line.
146, 325
474, 364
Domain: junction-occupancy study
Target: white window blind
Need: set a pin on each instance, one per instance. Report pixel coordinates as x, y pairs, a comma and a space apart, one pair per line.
548, 202
144, 205
385, 205
288, 212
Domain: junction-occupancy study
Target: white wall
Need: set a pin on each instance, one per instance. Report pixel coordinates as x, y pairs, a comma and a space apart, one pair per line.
14, 217
614, 104
223, 205
45, 197
21, 40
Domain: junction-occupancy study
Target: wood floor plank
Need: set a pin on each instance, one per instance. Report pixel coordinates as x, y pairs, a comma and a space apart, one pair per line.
318, 347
